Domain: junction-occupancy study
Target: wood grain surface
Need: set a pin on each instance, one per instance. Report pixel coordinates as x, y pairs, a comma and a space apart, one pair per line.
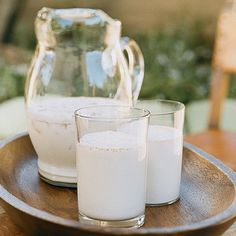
219, 143
218, 90
8, 228
207, 205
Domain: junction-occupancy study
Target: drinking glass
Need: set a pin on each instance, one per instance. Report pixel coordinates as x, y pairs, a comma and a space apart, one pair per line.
111, 165
165, 145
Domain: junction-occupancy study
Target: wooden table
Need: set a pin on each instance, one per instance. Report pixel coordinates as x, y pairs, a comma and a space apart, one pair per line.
8, 228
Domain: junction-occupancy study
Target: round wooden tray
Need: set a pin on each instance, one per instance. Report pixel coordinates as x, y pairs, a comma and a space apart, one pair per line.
207, 204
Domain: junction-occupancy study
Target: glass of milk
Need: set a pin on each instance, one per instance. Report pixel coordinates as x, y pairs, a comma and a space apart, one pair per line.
165, 144
111, 165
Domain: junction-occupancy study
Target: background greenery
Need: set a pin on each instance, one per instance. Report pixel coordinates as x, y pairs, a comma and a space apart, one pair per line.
177, 63
12, 80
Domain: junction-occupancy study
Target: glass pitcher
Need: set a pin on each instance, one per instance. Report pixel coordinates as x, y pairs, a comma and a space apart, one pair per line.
79, 61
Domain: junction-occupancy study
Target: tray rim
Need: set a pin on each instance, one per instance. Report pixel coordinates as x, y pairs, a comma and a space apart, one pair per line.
227, 215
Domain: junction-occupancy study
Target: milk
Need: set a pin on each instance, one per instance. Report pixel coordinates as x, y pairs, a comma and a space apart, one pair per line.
164, 164
112, 176
52, 131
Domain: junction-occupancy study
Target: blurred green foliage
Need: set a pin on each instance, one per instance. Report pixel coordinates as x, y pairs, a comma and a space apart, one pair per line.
12, 79
177, 62
24, 37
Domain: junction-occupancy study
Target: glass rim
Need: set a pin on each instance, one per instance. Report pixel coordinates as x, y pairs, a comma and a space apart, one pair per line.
181, 106
145, 113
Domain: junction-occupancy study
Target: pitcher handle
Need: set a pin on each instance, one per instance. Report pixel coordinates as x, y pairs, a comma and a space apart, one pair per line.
135, 64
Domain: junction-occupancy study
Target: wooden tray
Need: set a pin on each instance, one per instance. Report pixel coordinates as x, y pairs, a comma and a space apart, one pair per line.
207, 205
